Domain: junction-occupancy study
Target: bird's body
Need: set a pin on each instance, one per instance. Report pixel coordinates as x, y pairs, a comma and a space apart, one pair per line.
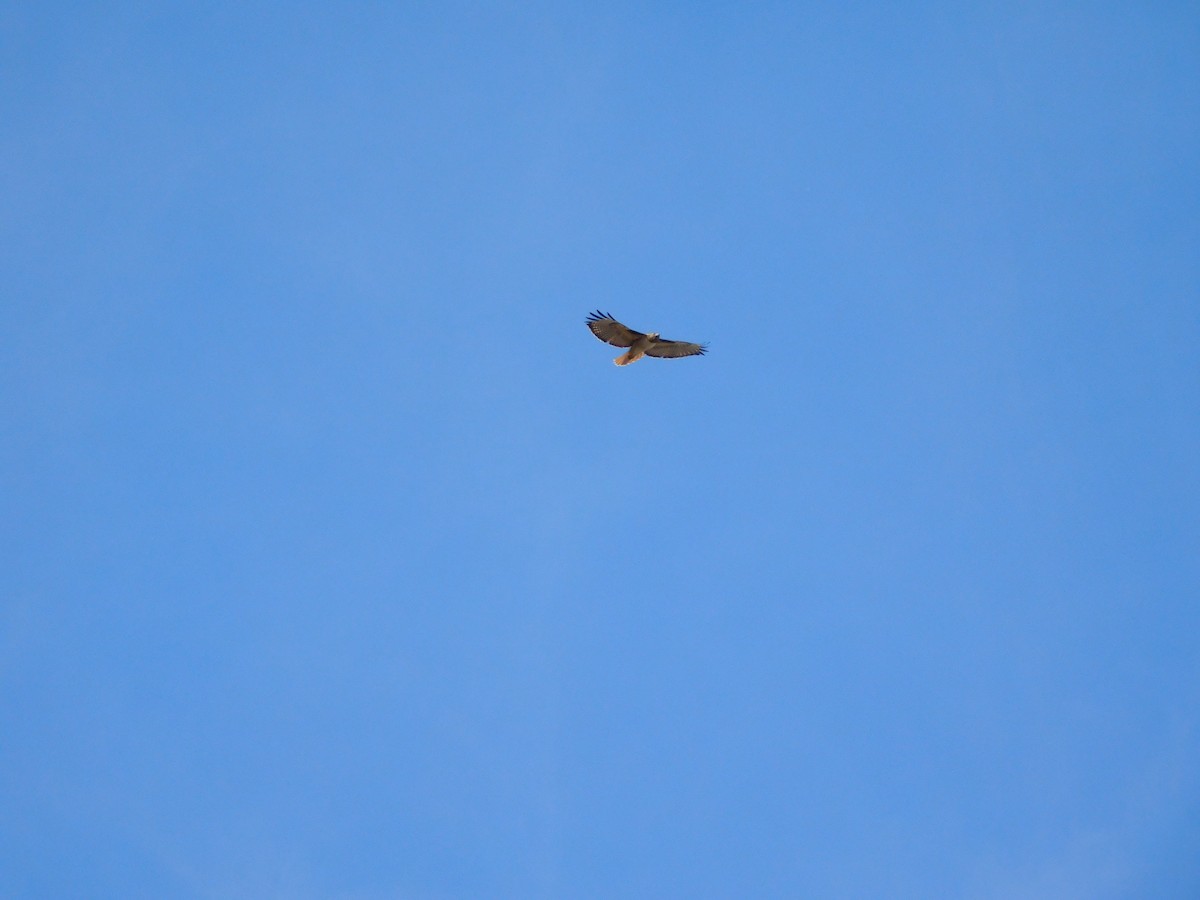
637, 349
609, 330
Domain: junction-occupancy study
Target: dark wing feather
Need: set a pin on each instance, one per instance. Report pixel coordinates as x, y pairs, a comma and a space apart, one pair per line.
611, 331
675, 349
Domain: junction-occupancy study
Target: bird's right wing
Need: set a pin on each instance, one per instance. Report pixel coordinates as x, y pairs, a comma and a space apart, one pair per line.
611, 331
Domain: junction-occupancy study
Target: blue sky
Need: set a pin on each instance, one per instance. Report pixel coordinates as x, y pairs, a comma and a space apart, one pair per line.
339, 561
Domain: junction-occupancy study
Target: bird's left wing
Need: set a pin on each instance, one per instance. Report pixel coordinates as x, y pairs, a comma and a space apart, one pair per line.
675, 349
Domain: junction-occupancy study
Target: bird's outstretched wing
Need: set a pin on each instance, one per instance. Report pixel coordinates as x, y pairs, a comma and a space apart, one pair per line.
675, 349
609, 330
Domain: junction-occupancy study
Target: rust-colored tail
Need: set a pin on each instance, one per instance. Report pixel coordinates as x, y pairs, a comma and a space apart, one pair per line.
626, 358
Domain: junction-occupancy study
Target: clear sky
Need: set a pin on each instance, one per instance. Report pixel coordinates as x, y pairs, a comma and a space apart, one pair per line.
338, 560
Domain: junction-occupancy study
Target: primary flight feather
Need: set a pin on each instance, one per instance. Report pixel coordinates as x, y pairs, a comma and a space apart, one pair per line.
609, 330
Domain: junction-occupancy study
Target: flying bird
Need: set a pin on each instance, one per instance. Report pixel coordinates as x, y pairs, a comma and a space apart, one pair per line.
609, 330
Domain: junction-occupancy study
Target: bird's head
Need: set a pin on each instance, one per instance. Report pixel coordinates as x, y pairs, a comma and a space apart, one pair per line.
653, 335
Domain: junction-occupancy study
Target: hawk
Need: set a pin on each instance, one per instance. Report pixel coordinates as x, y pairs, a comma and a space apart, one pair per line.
609, 330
